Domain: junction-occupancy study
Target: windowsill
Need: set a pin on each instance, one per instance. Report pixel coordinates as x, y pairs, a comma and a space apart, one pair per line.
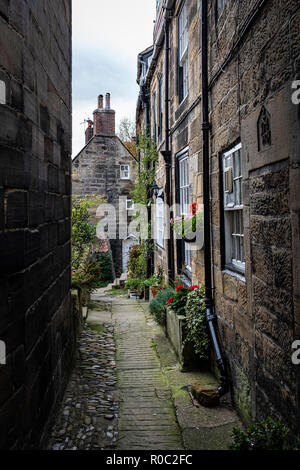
234, 272
160, 246
182, 106
183, 101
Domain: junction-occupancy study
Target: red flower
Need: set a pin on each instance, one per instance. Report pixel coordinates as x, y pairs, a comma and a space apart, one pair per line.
170, 300
193, 287
194, 208
178, 288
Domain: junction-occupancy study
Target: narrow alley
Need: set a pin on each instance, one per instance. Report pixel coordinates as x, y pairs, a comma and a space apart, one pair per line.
127, 392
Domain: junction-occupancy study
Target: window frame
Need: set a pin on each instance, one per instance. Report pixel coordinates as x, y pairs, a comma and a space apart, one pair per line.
160, 117
132, 204
185, 255
229, 211
183, 85
122, 177
160, 217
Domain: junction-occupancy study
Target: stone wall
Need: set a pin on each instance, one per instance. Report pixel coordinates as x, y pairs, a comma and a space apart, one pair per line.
258, 311
35, 226
96, 172
254, 57
185, 117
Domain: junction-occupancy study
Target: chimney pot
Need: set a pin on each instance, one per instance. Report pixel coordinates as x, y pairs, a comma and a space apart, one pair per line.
100, 101
107, 100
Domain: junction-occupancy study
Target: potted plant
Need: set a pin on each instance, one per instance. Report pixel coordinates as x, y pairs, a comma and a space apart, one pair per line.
148, 283
135, 287
158, 282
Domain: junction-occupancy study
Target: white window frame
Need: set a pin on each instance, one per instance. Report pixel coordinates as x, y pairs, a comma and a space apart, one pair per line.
129, 204
233, 209
185, 197
160, 222
183, 47
125, 173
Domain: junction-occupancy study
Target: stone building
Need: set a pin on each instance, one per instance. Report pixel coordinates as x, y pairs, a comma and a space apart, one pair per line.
254, 142
36, 323
105, 167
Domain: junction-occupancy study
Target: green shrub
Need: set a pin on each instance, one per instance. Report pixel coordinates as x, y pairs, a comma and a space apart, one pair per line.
87, 275
196, 323
158, 304
264, 435
106, 265
137, 263
134, 284
179, 299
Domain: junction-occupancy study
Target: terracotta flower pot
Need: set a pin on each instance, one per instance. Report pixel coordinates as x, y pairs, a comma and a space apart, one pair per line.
156, 289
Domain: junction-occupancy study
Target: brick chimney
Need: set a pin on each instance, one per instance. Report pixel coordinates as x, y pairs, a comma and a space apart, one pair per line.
104, 118
89, 131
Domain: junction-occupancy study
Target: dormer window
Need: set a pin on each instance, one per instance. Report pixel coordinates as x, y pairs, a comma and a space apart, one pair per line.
124, 172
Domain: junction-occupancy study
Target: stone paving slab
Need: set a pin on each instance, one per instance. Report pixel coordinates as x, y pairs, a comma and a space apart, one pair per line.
127, 392
147, 418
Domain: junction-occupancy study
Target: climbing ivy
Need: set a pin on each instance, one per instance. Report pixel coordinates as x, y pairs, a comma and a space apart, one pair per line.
142, 192
196, 323
146, 149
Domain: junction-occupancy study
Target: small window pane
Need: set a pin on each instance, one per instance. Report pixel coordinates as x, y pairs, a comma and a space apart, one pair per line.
233, 205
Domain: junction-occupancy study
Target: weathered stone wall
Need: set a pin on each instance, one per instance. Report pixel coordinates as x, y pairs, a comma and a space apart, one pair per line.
185, 117
258, 311
96, 172
254, 56
35, 186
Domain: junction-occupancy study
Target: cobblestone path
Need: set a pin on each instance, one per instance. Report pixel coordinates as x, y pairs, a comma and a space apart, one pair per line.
127, 393
118, 396
89, 415
147, 417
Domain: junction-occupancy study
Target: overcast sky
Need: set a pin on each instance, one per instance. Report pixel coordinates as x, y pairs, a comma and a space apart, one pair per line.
107, 36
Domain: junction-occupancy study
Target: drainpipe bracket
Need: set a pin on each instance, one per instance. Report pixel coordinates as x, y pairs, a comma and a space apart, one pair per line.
206, 126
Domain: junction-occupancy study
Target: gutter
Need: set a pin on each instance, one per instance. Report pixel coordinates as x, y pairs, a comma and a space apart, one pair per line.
169, 4
210, 315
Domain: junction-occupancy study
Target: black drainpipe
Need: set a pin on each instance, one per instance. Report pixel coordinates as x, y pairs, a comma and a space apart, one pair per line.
211, 318
167, 154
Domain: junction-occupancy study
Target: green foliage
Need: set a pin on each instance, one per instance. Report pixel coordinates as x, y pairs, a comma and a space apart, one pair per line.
158, 304
106, 267
156, 280
134, 284
146, 178
83, 233
151, 281
87, 275
137, 264
179, 300
264, 435
86, 270
196, 323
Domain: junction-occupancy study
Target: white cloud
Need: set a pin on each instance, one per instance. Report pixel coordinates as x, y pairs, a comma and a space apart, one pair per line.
107, 37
